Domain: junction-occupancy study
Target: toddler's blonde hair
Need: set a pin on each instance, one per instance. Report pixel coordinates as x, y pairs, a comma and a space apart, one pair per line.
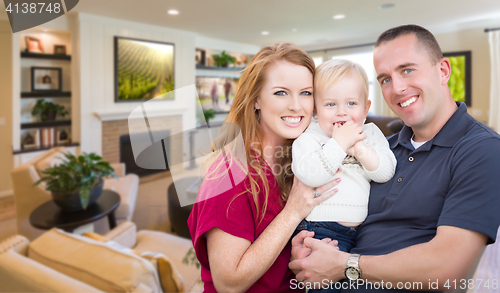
332, 71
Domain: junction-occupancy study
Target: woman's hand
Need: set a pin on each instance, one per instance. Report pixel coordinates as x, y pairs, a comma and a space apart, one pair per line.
302, 198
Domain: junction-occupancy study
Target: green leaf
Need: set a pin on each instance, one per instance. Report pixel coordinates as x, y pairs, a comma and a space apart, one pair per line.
84, 196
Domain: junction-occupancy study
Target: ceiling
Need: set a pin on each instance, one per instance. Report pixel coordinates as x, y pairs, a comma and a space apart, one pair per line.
244, 20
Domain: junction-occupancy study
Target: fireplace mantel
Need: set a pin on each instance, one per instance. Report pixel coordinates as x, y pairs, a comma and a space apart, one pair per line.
120, 114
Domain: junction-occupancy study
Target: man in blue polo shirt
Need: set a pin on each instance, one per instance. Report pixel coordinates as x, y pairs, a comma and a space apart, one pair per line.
428, 226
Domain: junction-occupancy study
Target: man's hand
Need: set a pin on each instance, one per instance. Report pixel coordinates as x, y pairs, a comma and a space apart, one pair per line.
299, 250
324, 262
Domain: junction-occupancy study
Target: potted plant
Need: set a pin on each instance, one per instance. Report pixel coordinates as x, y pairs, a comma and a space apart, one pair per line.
209, 114
77, 183
223, 59
48, 110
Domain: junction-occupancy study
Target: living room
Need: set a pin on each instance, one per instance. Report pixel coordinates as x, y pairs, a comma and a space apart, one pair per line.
84, 48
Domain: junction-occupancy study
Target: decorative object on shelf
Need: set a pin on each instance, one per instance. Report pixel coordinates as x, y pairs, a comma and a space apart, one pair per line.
29, 142
34, 45
63, 136
48, 111
242, 61
216, 92
143, 70
60, 49
223, 59
46, 79
200, 57
29, 139
460, 78
76, 183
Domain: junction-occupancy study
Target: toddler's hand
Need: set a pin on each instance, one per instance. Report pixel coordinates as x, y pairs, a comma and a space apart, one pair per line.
357, 150
331, 242
348, 134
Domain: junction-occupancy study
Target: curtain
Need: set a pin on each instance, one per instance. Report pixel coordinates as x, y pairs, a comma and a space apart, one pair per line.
494, 119
488, 270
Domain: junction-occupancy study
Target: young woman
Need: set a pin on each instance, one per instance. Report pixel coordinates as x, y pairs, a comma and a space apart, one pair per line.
241, 235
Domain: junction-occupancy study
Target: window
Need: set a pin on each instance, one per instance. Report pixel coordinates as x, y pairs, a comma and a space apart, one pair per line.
317, 60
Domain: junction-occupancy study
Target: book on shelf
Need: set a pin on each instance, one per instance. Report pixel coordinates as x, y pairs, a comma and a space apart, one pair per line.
48, 137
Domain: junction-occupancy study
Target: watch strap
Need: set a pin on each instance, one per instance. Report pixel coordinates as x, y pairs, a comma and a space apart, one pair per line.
353, 261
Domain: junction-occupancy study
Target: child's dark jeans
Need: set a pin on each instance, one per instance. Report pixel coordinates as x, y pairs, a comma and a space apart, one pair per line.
346, 236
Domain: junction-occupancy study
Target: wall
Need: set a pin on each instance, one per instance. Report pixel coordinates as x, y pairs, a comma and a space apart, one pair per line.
95, 40
475, 40
6, 158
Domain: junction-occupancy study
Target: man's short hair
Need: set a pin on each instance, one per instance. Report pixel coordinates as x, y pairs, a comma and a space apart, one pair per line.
425, 39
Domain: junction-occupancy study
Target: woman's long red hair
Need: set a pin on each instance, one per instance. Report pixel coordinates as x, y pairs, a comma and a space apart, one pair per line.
243, 114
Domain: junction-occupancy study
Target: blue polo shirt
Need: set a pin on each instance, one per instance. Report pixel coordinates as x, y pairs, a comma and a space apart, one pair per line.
453, 180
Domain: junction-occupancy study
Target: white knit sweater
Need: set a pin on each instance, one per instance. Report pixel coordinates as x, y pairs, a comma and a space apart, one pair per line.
316, 158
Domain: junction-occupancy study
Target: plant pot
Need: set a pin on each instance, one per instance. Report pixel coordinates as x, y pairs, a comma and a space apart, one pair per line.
50, 115
72, 201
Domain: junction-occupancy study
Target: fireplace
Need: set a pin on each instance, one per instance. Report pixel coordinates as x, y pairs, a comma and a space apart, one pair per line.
127, 157
116, 146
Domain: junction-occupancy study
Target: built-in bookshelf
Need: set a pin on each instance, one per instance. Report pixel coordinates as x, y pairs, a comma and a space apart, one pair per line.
37, 149
25, 95
46, 56
35, 134
45, 124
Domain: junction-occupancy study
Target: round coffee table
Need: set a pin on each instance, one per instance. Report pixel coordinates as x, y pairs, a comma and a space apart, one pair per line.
49, 215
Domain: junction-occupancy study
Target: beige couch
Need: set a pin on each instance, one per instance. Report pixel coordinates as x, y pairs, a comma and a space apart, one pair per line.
54, 263
28, 197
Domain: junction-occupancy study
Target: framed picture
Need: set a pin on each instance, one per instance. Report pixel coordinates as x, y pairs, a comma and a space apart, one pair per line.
200, 57
34, 45
460, 79
60, 49
46, 79
143, 70
216, 92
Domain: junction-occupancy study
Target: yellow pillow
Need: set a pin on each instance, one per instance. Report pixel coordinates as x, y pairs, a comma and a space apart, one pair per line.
170, 280
95, 263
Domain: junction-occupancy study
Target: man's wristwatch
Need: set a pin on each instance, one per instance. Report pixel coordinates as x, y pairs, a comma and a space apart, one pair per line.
352, 271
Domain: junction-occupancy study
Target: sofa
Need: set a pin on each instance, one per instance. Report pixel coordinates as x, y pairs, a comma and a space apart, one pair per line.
62, 262
388, 125
28, 197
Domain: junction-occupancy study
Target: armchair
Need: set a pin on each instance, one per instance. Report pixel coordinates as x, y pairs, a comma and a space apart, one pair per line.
27, 197
22, 271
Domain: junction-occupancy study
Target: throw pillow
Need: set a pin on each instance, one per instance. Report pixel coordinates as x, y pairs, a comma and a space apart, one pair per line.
93, 262
170, 279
